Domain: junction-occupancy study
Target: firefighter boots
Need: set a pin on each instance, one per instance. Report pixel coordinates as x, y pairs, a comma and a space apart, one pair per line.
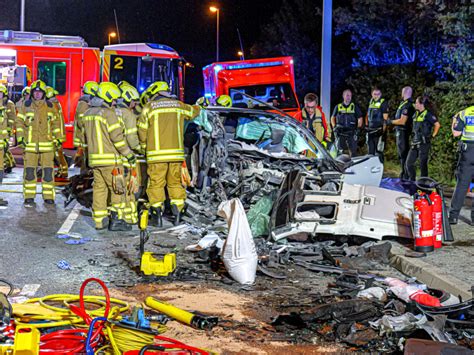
156, 219
118, 225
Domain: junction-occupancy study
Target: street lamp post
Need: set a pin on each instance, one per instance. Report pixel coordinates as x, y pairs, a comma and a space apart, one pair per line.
216, 10
112, 35
241, 55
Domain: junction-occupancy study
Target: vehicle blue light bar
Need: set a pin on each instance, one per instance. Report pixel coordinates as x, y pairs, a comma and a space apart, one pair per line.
254, 65
160, 46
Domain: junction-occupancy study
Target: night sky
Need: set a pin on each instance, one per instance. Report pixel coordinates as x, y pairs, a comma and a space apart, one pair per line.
187, 25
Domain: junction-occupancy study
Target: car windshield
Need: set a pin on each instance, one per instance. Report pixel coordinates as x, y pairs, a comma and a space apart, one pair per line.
278, 95
264, 130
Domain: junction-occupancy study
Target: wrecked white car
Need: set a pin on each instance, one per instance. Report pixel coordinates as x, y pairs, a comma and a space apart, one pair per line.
253, 155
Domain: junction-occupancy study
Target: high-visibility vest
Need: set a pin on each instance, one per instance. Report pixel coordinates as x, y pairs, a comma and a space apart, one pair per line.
375, 115
467, 116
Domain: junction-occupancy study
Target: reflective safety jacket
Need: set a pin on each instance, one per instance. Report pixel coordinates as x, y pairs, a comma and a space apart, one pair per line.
82, 106
375, 113
346, 116
128, 120
59, 113
467, 118
3, 129
161, 128
38, 125
406, 108
8, 113
316, 124
423, 123
103, 136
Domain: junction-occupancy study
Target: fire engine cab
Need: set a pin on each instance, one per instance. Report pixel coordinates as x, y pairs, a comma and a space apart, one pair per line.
271, 80
66, 63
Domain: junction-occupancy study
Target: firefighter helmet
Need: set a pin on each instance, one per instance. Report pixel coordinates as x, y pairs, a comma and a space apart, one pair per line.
4, 89
129, 93
122, 83
108, 92
157, 87
224, 100
38, 85
90, 88
50, 92
202, 101
144, 98
26, 91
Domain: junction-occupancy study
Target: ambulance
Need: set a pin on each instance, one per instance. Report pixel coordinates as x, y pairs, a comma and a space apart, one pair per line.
66, 63
271, 81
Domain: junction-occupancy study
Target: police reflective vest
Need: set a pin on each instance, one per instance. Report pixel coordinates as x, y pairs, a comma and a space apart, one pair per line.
375, 114
38, 125
161, 128
408, 107
422, 127
467, 117
345, 116
104, 137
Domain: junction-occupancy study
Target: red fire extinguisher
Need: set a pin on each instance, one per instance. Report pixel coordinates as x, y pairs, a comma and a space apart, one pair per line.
423, 223
437, 219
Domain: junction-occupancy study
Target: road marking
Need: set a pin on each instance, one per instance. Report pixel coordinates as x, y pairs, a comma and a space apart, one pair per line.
69, 222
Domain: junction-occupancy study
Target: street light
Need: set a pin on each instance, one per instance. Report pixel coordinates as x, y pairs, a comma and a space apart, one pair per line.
216, 10
241, 55
112, 35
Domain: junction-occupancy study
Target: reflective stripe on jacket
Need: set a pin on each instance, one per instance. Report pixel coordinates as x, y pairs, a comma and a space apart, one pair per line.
467, 116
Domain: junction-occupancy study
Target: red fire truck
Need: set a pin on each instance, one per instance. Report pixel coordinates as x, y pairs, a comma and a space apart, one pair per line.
66, 63
271, 80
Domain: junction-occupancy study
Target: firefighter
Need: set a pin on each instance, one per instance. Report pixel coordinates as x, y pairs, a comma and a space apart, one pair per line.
313, 118
224, 101
403, 125
425, 128
346, 118
89, 91
203, 102
25, 95
463, 126
103, 136
8, 112
5, 117
128, 119
161, 134
375, 122
59, 154
39, 133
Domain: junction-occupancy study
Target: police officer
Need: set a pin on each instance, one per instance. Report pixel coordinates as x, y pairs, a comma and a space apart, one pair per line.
39, 133
377, 115
59, 154
346, 118
425, 128
89, 91
8, 112
103, 135
313, 118
463, 126
403, 123
161, 134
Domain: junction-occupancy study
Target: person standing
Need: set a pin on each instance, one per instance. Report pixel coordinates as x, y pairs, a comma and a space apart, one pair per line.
403, 123
161, 134
39, 133
25, 95
8, 112
313, 118
5, 117
377, 115
463, 126
103, 135
346, 118
425, 128
59, 154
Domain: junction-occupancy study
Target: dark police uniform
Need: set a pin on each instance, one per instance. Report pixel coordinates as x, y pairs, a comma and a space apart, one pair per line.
346, 126
375, 134
423, 123
465, 168
402, 133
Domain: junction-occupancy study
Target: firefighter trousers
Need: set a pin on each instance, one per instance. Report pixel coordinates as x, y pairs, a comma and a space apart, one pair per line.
32, 161
130, 209
9, 160
464, 175
421, 151
169, 175
103, 194
402, 137
142, 176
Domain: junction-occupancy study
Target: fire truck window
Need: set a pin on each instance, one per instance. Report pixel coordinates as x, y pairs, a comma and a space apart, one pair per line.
146, 74
53, 74
277, 95
167, 70
123, 68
